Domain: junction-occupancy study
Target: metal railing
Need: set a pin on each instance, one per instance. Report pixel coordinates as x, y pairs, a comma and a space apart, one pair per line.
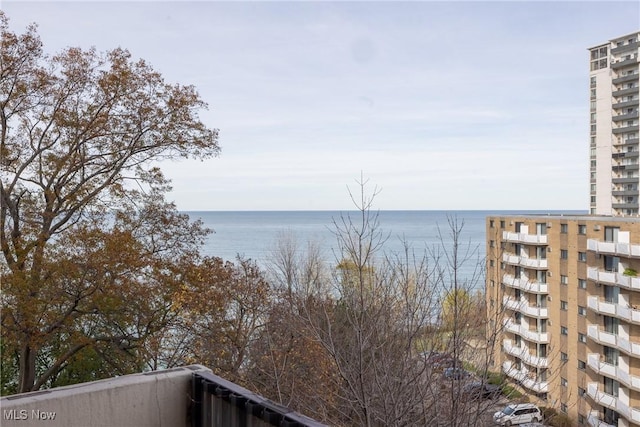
221, 403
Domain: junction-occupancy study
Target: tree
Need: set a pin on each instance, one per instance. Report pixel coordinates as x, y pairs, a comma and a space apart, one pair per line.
92, 254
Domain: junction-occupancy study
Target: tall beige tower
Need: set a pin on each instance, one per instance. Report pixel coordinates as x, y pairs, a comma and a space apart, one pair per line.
614, 84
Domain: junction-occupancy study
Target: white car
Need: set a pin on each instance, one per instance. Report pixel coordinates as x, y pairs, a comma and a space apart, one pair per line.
518, 414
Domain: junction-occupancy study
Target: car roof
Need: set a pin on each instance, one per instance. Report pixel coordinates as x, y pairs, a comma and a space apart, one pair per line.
523, 405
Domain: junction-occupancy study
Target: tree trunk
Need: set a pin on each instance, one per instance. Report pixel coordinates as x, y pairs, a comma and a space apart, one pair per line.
27, 374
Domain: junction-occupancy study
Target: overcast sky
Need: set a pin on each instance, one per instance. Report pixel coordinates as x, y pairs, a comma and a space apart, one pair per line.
442, 105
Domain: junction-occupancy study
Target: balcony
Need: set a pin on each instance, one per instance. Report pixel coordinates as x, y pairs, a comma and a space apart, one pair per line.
535, 336
625, 104
625, 92
613, 340
616, 310
615, 65
189, 396
625, 154
529, 239
628, 116
624, 180
613, 278
624, 47
525, 377
600, 367
525, 284
593, 419
522, 305
632, 205
627, 141
523, 354
525, 261
625, 79
612, 402
613, 248
625, 129
620, 193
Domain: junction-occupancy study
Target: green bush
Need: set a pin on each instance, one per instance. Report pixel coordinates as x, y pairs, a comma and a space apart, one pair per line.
630, 272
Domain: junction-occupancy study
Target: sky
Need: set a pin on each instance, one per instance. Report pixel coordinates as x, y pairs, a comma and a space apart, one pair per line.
439, 105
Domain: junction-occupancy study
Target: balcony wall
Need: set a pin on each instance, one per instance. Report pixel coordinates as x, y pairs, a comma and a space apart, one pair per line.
616, 310
596, 364
539, 337
523, 306
529, 239
613, 248
524, 261
145, 400
612, 402
525, 377
613, 340
523, 354
613, 278
525, 284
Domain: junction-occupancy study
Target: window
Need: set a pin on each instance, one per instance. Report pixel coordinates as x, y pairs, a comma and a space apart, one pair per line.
581, 392
582, 256
563, 305
541, 228
491, 263
493, 283
501, 224
492, 244
582, 229
563, 382
582, 365
564, 357
564, 330
563, 407
564, 280
582, 311
611, 324
611, 234
564, 254
582, 338
491, 223
582, 284
611, 386
564, 228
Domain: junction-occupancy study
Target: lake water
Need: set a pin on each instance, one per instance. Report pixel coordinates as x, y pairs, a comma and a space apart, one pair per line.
253, 234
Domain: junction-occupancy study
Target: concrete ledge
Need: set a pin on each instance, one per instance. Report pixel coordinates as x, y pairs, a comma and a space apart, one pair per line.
158, 398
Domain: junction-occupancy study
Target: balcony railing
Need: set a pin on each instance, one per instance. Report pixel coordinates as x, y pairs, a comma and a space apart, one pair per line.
539, 337
221, 403
613, 340
613, 278
523, 354
526, 378
530, 239
612, 402
523, 306
525, 284
525, 261
612, 309
595, 362
613, 248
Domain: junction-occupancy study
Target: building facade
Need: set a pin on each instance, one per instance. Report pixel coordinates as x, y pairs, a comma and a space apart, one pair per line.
563, 300
614, 149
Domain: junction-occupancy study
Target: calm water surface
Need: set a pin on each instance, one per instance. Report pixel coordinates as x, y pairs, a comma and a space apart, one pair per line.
253, 234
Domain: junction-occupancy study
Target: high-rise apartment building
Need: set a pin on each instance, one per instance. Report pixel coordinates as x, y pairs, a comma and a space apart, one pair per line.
614, 85
563, 291
563, 295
